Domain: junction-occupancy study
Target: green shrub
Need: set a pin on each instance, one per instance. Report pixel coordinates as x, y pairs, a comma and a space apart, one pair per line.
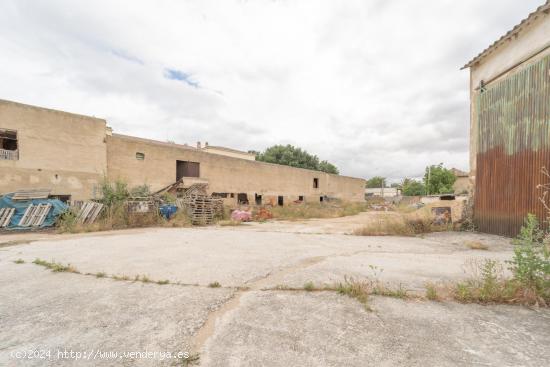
530, 265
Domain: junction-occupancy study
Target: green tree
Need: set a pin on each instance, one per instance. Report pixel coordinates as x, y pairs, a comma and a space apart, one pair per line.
411, 187
439, 180
328, 167
289, 155
376, 181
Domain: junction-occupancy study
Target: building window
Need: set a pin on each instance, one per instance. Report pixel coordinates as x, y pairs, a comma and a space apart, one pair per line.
321, 199
140, 156
258, 199
187, 169
301, 198
280, 201
242, 198
315, 183
8, 145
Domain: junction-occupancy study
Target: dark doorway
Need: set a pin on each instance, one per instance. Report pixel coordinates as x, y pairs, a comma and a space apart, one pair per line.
321, 199
187, 169
242, 198
258, 199
301, 198
315, 183
280, 201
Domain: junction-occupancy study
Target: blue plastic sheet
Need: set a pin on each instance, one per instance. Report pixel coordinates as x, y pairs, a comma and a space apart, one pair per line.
58, 207
168, 210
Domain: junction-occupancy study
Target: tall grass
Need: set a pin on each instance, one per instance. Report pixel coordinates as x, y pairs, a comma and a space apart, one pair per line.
333, 209
399, 225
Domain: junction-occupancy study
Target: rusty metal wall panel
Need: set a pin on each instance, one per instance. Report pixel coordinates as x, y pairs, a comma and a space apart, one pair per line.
513, 145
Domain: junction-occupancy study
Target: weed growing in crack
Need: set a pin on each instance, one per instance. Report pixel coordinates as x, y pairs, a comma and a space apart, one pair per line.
100, 275
431, 292
309, 286
19, 261
355, 289
191, 360
214, 285
163, 282
56, 267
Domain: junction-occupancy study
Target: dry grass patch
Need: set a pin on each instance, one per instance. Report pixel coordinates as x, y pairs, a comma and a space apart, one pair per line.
229, 223
332, 209
476, 245
399, 225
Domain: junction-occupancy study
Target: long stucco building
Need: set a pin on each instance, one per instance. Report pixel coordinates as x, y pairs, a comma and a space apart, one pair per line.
71, 154
510, 125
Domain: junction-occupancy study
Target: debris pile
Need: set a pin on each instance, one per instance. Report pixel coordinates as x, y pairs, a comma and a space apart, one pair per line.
263, 214
29, 209
201, 207
241, 216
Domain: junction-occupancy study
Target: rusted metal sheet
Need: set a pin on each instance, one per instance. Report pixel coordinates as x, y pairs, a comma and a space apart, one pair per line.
513, 145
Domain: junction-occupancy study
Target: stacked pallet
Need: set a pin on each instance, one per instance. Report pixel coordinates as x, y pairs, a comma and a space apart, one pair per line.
35, 215
5, 216
201, 208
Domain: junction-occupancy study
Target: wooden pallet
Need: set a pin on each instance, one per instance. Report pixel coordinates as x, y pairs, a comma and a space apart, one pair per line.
201, 208
88, 212
29, 194
35, 215
5, 216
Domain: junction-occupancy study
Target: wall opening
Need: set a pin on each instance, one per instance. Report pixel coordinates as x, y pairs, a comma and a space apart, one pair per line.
187, 169
258, 199
9, 144
301, 198
321, 199
140, 156
280, 201
63, 198
232, 195
222, 195
242, 198
316, 183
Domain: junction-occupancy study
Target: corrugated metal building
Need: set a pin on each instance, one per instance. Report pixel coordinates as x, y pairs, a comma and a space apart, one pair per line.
510, 125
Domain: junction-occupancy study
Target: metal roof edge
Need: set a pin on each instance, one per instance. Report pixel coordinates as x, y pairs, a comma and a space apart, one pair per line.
544, 8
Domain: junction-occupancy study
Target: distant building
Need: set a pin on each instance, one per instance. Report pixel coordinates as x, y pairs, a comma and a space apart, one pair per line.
510, 124
71, 154
229, 152
382, 191
462, 184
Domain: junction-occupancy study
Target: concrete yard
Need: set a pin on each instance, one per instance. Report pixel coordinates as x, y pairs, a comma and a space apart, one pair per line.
245, 322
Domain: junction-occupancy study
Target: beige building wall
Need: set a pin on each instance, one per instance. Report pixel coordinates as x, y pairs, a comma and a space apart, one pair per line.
224, 174
520, 49
58, 150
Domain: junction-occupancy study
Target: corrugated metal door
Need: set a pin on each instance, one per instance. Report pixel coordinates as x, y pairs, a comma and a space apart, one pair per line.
513, 145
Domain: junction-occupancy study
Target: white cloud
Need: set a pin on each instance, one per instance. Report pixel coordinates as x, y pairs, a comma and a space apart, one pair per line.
373, 86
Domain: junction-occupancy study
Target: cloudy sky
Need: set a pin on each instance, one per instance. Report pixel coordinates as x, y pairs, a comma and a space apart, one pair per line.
373, 86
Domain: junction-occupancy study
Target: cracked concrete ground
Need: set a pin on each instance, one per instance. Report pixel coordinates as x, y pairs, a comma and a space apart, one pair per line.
252, 327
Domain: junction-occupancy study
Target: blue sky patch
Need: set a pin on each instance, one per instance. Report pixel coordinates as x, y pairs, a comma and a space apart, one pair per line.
182, 76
